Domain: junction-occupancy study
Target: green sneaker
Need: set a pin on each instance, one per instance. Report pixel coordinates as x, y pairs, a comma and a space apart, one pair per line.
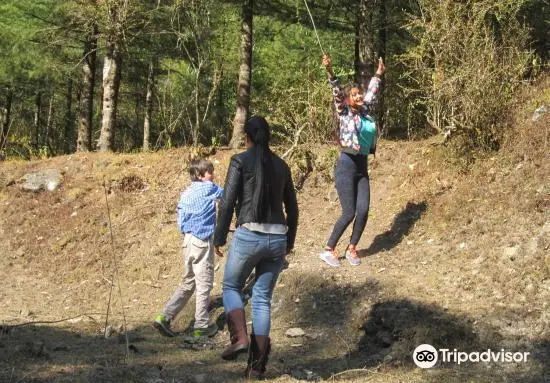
162, 324
206, 332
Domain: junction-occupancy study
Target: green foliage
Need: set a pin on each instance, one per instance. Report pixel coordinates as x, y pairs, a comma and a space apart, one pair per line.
468, 60
25, 54
37, 57
289, 83
452, 65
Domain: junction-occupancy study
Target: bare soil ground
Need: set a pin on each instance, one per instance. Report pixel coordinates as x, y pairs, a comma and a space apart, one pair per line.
455, 257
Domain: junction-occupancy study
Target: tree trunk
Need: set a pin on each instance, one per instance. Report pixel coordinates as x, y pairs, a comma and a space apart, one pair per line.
111, 85
49, 123
139, 123
245, 75
6, 120
67, 133
219, 112
382, 39
197, 128
84, 139
37, 118
364, 44
149, 106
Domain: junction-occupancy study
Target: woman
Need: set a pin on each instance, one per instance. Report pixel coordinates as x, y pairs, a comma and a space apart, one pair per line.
257, 185
357, 138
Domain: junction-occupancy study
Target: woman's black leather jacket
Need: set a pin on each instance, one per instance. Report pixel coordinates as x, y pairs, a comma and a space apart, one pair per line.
239, 189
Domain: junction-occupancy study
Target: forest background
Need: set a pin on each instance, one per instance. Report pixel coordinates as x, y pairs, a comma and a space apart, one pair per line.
120, 75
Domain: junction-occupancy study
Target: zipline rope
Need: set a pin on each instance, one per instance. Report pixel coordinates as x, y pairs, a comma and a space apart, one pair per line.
315, 29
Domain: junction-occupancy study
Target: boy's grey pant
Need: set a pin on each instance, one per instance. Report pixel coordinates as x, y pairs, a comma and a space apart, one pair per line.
198, 258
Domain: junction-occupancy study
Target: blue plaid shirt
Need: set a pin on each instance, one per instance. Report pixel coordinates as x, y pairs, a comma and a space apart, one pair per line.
196, 210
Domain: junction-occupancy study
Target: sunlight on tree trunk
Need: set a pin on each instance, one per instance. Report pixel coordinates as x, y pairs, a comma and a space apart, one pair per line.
68, 131
197, 127
6, 120
245, 75
111, 85
37, 118
364, 43
149, 106
84, 139
381, 52
49, 123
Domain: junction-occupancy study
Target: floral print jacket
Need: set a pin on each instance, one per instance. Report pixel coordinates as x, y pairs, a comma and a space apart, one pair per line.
351, 122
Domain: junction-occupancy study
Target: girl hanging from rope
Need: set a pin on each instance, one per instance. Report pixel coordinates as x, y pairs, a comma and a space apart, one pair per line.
357, 138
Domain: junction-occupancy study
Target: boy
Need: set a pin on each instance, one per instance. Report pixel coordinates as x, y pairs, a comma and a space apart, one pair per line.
196, 217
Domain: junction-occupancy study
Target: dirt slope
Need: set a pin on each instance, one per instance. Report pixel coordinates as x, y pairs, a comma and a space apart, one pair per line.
451, 257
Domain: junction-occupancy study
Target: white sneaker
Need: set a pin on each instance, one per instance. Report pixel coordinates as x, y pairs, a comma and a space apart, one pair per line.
328, 257
354, 261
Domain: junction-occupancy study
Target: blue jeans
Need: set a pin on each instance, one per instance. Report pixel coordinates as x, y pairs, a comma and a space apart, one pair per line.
251, 250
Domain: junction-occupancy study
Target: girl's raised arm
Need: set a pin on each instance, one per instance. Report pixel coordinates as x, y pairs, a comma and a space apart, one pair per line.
374, 84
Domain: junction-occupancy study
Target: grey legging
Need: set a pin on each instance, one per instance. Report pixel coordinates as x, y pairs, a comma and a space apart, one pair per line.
352, 185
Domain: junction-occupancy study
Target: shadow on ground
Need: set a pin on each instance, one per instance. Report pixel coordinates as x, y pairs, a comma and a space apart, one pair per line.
402, 224
36, 354
349, 341
349, 331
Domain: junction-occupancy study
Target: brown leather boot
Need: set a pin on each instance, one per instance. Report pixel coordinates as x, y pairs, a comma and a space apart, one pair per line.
258, 353
236, 324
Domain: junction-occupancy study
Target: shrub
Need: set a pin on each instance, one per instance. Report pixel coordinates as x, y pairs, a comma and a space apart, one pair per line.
469, 59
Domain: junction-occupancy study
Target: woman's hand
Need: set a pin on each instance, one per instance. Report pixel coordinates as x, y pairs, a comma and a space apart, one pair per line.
219, 252
381, 67
328, 65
